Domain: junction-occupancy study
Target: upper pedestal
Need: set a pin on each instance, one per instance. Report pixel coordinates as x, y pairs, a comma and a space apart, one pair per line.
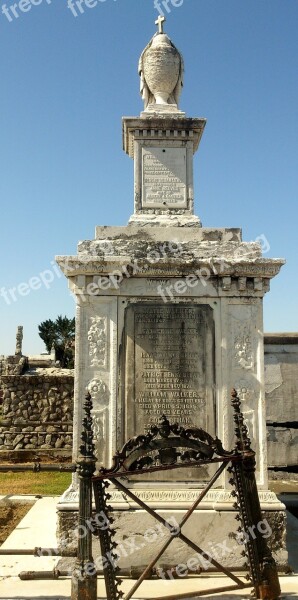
162, 141
162, 147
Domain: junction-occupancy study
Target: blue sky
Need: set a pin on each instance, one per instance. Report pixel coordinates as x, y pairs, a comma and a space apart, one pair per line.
66, 82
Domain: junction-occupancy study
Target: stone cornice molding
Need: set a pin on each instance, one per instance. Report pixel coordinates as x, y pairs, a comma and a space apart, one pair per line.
153, 128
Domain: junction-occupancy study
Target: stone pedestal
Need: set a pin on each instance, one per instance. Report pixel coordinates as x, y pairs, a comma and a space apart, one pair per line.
168, 321
162, 147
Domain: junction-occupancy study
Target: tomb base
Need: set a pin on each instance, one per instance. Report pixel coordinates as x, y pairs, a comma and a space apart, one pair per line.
213, 527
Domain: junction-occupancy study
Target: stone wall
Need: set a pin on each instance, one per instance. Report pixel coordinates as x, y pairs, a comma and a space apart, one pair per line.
281, 384
13, 365
37, 411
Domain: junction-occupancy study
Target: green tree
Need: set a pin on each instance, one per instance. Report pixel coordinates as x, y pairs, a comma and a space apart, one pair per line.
61, 334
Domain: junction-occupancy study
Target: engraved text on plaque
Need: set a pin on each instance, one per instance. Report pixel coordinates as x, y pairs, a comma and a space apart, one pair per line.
169, 366
164, 178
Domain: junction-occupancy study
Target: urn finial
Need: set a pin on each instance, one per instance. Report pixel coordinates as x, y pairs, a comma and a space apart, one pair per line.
161, 70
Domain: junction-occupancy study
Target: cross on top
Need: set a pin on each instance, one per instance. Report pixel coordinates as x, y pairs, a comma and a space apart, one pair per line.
160, 22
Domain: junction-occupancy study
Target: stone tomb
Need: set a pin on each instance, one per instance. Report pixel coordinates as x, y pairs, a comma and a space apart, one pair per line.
144, 347
169, 319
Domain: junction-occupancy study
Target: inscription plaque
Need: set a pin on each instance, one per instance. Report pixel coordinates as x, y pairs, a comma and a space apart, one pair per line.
169, 367
164, 178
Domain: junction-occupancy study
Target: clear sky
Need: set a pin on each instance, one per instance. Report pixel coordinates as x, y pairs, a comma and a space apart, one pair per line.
67, 80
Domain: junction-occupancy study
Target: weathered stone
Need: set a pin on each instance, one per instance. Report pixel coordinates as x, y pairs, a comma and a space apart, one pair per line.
208, 529
282, 446
18, 439
52, 429
161, 69
281, 369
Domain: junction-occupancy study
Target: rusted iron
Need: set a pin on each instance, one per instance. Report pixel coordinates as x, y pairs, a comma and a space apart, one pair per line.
32, 575
262, 564
169, 446
164, 448
179, 533
39, 468
228, 588
84, 580
37, 552
128, 572
102, 476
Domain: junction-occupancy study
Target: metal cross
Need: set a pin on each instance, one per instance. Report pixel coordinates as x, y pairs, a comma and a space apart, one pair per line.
160, 21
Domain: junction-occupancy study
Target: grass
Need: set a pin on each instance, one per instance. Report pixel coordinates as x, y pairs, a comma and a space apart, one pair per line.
283, 486
45, 484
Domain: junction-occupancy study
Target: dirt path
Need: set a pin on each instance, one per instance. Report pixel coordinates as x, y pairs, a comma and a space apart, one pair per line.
10, 516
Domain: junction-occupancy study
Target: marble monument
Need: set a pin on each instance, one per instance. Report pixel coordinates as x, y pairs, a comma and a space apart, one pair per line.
169, 319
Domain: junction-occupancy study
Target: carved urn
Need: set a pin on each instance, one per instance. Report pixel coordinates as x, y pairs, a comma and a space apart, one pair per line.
162, 67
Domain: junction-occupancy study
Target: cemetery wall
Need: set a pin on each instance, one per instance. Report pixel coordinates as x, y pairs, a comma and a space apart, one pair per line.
37, 412
281, 384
